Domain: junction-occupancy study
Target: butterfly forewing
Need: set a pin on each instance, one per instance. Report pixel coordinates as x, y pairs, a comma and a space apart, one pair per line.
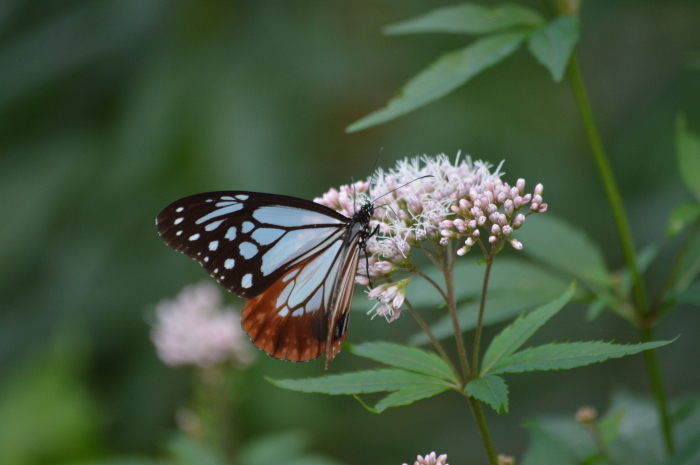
247, 240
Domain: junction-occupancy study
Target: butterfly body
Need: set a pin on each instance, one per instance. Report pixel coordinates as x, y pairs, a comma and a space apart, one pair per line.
293, 259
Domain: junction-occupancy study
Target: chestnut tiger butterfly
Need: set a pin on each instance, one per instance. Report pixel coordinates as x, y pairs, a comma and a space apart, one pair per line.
293, 259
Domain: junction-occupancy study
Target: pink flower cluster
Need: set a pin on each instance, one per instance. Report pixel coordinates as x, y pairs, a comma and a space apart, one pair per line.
194, 329
431, 459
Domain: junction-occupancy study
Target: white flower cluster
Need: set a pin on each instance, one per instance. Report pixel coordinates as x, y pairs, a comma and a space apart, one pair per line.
424, 202
431, 459
194, 329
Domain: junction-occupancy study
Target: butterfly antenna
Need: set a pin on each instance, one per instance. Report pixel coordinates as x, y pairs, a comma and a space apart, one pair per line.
409, 182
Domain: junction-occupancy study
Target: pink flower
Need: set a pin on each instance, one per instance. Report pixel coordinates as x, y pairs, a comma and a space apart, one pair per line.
431, 459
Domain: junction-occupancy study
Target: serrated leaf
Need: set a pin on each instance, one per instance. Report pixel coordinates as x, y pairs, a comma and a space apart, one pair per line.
566, 248
445, 75
408, 396
682, 217
361, 382
492, 390
511, 338
570, 355
408, 358
688, 152
468, 19
553, 44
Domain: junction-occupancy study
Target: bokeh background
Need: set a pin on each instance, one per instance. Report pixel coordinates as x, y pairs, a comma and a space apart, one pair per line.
109, 110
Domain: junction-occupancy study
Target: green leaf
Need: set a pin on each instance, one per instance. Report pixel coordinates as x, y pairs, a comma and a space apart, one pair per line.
545, 448
361, 382
645, 257
688, 151
609, 427
569, 355
682, 217
408, 396
468, 19
553, 44
409, 358
515, 335
689, 296
445, 75
690, 267
566, 248
492, 390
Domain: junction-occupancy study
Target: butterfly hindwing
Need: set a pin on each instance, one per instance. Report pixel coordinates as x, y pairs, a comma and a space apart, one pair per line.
247, 240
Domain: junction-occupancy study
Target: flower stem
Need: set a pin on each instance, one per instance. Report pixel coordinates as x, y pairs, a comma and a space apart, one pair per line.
657, 389
483, 429
452, 308
482, 306
433, 339
625, 238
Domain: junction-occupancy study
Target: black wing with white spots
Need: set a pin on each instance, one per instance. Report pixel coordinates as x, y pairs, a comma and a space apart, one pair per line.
247, 240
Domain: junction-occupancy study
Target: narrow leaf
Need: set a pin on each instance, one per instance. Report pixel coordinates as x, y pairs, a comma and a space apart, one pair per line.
468, 19
570, 355
492, 390
681, 217
409, 358
515, 335
688, 151
551, 240
361, 382
445, 75
408, 396
553, 44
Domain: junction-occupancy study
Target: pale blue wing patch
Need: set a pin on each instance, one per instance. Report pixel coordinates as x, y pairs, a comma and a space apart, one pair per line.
292, 217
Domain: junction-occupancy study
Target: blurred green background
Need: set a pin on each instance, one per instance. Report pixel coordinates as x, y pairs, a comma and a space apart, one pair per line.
109, 110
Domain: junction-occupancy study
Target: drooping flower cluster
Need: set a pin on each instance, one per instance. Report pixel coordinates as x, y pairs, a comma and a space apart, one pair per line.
426, 202
194, 329
431, 459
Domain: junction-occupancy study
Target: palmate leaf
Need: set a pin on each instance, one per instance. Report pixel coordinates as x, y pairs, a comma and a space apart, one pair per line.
553, 44
468, 18
492, 390
515, 335
442, 77
569, 355
409, 358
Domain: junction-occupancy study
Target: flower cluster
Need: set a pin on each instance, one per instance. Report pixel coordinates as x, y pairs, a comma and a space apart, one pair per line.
428, 203
431, 459
194, 329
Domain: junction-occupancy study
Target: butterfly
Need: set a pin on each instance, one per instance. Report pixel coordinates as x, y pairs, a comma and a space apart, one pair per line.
293, 259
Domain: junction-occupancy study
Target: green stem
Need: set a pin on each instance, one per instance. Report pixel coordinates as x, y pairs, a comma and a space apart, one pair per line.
433, 339
482, 306
483, 429
452, 308
610, 185
657, 389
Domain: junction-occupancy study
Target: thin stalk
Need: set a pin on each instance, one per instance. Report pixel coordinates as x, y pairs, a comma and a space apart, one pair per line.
625, 239
482, 306
609, 184
434, 340
483, 429
451, 306
431, 281
657, 389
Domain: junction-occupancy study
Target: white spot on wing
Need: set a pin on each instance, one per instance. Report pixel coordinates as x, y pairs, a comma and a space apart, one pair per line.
213, 225
247, 226
213, 245
248, 249
179, 233
228, 264
265, 236
247, 280
194, 237
179, 220
227, 197
219, 212
298, 312
206, 259
285, 293
180, 209
284, 311
231, 233
289, 216
289, 276
315, 302
242, 197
